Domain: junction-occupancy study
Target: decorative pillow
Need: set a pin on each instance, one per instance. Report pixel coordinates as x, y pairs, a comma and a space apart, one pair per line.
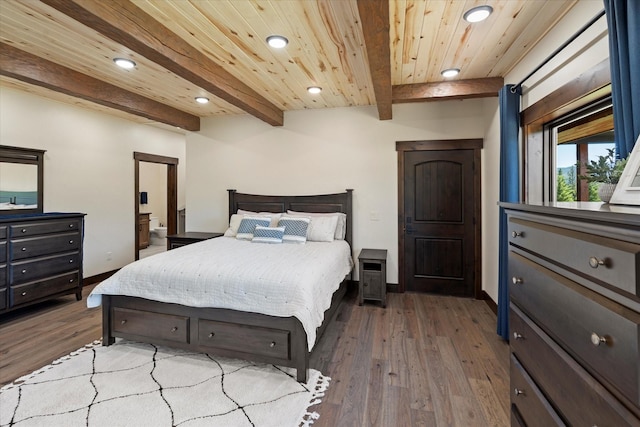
248, 225
234, 223
268, 234
295, 229
275, 216
341, 227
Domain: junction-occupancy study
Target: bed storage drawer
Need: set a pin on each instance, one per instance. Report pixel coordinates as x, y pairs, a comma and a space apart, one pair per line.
39, 246
244, 338
600, 333
32, 291
149, 324
531, 404
578, 397
611, 261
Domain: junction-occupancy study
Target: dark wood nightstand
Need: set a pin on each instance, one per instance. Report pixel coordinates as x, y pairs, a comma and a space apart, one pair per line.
183, 239
373, 275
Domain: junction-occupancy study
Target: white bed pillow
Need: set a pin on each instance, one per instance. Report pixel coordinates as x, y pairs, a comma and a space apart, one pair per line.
275, 216
248, 225
321, 228
234, 223
341, 227
295, 229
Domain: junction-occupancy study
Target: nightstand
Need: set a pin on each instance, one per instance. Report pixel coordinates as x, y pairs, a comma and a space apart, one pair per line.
373, 275
183, 239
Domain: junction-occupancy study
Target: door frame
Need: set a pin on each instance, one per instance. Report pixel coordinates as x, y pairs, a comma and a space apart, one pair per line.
432, 145
172, 192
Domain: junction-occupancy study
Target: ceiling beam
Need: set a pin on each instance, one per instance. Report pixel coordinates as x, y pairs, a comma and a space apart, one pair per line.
458, 89
374, 16
32, 69
127, 24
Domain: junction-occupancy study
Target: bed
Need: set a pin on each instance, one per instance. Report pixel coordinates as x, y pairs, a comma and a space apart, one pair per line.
231, 332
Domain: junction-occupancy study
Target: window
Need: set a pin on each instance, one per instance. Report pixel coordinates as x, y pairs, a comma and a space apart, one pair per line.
575, 140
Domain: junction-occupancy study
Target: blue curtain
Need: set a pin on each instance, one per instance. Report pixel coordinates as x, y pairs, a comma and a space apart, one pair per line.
623, 20
509, 192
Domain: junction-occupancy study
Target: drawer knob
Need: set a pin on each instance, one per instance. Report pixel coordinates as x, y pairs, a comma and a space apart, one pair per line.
24, 271
518, 392
122, 322
71, 242
24, 293
23, 249
597, 339
517, 280
515, 234
70, 280
24, 230
595, 262
273, 344
70, 225
175, 328
212, 334
517, 336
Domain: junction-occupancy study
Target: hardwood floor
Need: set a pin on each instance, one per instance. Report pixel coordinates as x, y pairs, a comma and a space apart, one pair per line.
423, 361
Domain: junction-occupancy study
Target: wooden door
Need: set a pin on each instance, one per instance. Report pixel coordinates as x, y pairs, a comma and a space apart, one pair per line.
440, 224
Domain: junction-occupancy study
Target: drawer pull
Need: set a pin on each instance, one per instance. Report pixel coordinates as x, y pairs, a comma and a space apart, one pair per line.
23, 249
24, 230
175, 328
518, 392
273, 344
24, 293
517, 336
24, 271
70, 261
71, 242
70, 225
212, 334
122, 322
597, 339
517, 280
515, 234
595, 262
70, 280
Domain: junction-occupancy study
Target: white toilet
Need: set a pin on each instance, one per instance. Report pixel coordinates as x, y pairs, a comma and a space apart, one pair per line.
157, 234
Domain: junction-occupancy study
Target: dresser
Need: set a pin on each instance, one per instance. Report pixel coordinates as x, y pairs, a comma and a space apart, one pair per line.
40, 258
574, 318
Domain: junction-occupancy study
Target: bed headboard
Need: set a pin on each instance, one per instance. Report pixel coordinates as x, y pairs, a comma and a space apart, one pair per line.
323, 203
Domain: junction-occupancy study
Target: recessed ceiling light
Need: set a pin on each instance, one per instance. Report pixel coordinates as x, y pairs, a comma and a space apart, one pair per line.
277, 42
477, 14
202, 100
450, 72
314, 89
124, 63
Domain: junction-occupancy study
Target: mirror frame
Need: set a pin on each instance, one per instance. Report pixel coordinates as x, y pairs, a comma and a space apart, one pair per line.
28, 156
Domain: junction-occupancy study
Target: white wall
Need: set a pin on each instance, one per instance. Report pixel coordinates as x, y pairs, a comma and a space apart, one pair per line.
88, 167
319, 151
586, 51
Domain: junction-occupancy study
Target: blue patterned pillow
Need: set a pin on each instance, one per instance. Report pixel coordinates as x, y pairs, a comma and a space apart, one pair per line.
268, 234
295, 229
248, 225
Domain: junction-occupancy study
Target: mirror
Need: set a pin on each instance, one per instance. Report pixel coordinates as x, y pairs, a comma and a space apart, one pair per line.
21, 180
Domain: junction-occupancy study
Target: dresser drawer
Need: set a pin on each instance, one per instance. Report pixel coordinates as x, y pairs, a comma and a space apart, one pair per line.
151, 325
32, 291
3, 251
3, 298
532, 406
3, 275
33, 269
578, 318
33, 228
245, 338
3, 231
45, 245
610, 261
577, 396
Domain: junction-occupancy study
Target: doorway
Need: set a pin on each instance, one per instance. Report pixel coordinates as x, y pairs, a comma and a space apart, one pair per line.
439, 217
172, 193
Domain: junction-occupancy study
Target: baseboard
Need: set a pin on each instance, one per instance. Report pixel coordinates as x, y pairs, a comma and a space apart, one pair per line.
490, 302
87, 281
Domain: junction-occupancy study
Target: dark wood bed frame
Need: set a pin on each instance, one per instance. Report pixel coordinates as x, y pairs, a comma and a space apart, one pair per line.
229, 333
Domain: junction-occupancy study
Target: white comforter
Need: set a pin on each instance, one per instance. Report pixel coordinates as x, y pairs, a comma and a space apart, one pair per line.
274, 279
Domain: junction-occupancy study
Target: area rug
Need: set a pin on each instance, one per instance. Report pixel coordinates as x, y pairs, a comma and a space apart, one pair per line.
135, 384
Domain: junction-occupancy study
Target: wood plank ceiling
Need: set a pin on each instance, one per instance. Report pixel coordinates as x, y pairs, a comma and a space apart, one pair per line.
361, 52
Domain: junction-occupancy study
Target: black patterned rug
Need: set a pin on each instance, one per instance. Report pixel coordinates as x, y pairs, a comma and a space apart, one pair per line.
135, 384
